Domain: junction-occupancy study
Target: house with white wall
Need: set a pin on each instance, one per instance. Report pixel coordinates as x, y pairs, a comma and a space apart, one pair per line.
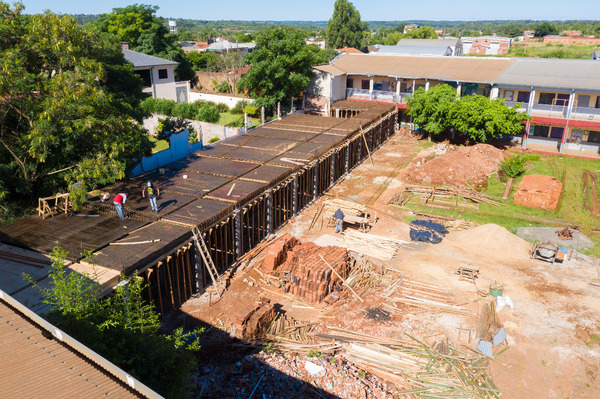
158, 75
453, 42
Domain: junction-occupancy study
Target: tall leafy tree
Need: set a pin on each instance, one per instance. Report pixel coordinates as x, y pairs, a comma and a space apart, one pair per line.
345, 29
424, 32
281, 66
482, 119
430, 109
146, 33
545, 29
67, 96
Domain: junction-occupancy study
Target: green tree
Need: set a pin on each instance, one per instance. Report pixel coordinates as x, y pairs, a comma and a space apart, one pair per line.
124, 328
545, 29
345, 29
208, 113
68, 96
146, 33
424, 32
430, 109
281, 66
482, 119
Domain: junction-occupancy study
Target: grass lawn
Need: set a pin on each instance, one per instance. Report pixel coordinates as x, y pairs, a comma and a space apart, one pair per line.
159, 145
570, 210
228, 117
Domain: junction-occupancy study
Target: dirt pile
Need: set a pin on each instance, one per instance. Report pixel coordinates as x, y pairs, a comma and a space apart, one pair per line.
491, 239
455, 165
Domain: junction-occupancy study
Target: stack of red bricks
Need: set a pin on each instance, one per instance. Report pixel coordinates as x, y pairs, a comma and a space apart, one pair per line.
253, 320
309, 277
278, 252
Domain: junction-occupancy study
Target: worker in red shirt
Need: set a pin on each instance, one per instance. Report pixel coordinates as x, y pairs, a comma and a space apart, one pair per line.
118, 202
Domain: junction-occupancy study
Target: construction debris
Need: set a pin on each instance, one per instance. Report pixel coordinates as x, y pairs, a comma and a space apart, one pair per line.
441, 197
565, 234
372, 245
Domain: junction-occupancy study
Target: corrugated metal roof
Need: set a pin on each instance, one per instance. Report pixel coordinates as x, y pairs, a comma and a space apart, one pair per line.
451, 69
428, 42
35, 364
552, 74
330, 69
414, 50
140, 60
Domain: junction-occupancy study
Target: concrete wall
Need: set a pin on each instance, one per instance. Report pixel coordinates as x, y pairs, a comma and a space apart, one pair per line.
204, 130
338, 88
230, 101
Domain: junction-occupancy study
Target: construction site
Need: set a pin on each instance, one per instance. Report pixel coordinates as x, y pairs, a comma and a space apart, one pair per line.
399, 304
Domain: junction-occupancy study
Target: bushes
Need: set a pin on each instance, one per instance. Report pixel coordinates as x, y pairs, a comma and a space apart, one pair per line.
239, 107
209, 113
515, 165
223, 87
222, 107
239, 122
185, 110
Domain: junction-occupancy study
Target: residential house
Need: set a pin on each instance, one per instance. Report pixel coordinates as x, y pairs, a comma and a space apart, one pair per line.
158, 75
489, 45
561, 96
410, 27
528, 35
225, 46
424, 51
319, 42
349, 50
39, 360
571, 33
454, 43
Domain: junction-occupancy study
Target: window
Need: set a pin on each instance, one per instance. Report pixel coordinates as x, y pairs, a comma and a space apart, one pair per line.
403, 87
540, 131
562, 99
598, 102
366, 85
556, 132
145, 75
583, 101
523, 96
509, 95
350, 83
547, 98
163, 74
594, 137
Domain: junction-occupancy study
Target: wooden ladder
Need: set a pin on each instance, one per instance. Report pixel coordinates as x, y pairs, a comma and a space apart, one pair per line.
208, 262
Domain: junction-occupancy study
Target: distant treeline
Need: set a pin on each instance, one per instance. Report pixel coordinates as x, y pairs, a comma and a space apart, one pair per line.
193, 29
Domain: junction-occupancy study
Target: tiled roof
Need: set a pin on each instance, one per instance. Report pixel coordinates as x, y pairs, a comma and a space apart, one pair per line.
140, 60
40, 361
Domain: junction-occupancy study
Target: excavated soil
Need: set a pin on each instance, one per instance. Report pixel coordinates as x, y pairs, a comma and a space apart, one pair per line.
445, 164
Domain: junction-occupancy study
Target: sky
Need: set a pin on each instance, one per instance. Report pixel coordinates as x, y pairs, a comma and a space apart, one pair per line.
319, 10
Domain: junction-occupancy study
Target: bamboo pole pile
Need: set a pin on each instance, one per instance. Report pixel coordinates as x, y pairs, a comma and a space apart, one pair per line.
349, 208
450, 193
379, 247
363, 274
288, 329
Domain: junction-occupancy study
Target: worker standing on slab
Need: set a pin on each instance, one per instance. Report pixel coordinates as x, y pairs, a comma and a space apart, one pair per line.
152, 192
118, 202
339, 217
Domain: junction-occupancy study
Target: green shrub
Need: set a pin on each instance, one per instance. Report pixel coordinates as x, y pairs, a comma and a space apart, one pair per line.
515, 165
78, 196
209, 113
148, 104
252, 110
223, 87
222, 107
185, 111
239, 107
163, 106
213, 140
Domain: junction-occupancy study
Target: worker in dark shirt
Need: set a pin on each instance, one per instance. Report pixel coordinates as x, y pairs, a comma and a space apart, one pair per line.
152, 192
339, 217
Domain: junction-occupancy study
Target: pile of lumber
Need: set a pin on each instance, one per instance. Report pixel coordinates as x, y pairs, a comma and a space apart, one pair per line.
364, 274
288, 329
379, 247
430, 194
349, 208
449, 223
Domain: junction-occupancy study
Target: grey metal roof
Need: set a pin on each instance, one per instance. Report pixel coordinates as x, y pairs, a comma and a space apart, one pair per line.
415, 50
140, 60
552, 74
428, 42
227, 45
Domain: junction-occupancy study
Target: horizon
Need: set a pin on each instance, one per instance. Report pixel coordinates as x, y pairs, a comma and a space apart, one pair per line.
317, 12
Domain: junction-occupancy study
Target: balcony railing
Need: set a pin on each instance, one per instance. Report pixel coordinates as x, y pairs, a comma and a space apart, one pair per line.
378, 95
552, 108
586, 110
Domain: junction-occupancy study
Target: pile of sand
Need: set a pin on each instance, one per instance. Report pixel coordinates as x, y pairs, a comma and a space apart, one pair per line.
492, 240
456, 166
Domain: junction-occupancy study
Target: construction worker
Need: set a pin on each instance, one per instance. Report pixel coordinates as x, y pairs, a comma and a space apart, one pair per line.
152, 192
339, 217
118, 202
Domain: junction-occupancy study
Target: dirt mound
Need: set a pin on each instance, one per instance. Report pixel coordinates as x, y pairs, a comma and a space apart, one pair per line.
491, 239
455, 165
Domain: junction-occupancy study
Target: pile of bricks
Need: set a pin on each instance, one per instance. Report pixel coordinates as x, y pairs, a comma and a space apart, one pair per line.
536, 191
307, 276
253, 320
278, 252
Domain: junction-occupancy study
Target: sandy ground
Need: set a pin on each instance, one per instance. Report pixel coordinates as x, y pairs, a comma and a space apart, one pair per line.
552, 332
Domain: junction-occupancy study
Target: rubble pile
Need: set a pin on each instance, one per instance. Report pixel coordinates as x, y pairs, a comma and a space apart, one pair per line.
288, 376
462, 166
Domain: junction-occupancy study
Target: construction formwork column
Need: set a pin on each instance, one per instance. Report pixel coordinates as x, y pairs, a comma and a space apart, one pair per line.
360, 144
347, 157
198, 269
332, 171
269, 211
295, 195
237, 232
316, 182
